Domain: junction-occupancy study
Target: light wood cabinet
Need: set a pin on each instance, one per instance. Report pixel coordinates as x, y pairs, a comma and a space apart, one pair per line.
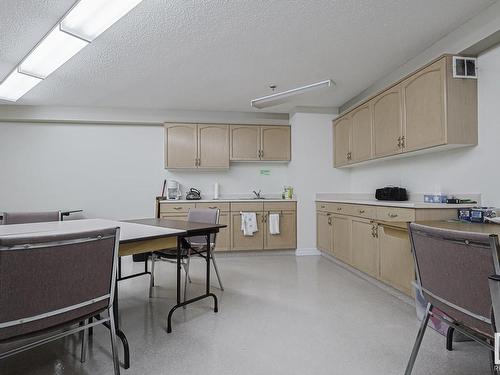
324, 231
275, 143
342, 237
424, 107
287, 237
396, 262
213, 146
361, 134
189, 146
245, 142
428, 110
253, 142
364, 244
342, 141
241, 242
387, 125
181, 146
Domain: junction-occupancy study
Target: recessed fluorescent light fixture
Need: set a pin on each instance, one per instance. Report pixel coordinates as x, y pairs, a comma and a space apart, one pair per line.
90, 18
282, 97
84, 22
52, 52
16, 85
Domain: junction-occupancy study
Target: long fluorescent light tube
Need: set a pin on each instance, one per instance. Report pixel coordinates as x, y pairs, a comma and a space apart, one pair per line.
16, 85
52, 52
281, 97
90, 18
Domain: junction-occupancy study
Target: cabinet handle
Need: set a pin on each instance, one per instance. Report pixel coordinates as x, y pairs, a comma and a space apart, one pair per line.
323, 206
177, 208
329, 220
212, 207
261, 153
399, 142
339, 208
392, 215
361, 211
403, 141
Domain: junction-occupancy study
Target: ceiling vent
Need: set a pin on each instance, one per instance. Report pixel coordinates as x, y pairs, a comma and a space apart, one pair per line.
464, 67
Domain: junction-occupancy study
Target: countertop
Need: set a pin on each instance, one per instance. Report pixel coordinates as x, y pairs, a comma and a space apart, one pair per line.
403, 204
228, 200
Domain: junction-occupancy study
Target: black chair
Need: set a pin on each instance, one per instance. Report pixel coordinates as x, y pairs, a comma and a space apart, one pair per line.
52, 284
456, 272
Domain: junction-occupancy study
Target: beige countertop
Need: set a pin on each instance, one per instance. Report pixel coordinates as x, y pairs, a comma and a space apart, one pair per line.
228, 200
403, 204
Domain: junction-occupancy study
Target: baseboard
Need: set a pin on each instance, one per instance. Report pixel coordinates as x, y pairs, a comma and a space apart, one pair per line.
307, 251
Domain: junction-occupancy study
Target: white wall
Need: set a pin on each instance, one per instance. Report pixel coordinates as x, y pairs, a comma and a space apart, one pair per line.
470, 170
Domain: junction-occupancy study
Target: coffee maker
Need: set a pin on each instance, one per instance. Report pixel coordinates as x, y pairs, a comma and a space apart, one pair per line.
173, 190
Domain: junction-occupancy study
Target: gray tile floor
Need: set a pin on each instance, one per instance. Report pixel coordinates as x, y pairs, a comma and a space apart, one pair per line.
280, 314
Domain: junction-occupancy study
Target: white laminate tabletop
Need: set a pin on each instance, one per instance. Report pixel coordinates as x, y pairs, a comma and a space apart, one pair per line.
128, 231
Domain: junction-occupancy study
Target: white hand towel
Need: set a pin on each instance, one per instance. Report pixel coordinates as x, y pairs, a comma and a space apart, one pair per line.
249, 223
274, 223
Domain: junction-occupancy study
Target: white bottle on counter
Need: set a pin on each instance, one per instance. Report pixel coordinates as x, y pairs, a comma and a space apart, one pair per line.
216, 190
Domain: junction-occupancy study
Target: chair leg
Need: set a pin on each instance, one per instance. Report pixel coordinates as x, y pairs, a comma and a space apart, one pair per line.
152, 278
186, 269
114, 349
418, 340
216, 269
449, 338
85, 340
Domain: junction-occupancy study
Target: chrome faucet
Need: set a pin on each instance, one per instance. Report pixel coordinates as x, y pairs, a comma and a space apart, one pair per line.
257, 194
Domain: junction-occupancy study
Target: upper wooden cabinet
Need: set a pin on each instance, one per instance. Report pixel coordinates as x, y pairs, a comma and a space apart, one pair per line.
196, 146
427, 110
387, 125
361, 134
253, 142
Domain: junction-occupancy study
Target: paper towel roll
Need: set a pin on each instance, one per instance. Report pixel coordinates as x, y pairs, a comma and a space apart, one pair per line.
216, 190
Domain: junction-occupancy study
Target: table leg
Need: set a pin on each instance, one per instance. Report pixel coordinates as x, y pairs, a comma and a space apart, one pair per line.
207, 291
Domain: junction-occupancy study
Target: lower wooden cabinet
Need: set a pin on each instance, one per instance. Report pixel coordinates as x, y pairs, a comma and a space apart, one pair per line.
364, 243
396, 261
287, 238
241, 242
324, 231
223, 239
342, 237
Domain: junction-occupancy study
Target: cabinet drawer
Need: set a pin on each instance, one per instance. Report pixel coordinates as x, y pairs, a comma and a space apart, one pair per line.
222, 206
325, 206
368, 212
279, 206
176, 207
395, 214
342, 209
247, 206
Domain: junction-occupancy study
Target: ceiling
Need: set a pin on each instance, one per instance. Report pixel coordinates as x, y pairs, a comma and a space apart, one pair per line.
218, 55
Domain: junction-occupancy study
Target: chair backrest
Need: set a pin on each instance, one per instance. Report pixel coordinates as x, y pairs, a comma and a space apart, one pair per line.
30, 217
47, 280
452, 271
203, 215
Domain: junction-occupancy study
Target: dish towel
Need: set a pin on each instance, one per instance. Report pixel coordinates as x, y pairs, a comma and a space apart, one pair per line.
274, 223
249, 223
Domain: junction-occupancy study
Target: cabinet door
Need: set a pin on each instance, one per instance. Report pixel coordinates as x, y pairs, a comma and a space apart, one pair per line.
396, 261
364, 245
342, 140
324, 231
275, 143
361, 136
288, 232
342, 237
222, 241
181, 146
245, 142
241, 242
387, 123
424, 107
213, 146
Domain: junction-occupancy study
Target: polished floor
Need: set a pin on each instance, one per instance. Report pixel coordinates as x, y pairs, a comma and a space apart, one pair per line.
279, 314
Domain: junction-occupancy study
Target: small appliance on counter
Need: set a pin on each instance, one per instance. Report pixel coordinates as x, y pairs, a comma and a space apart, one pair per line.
193, 195
476, 214
173, 190
391, 193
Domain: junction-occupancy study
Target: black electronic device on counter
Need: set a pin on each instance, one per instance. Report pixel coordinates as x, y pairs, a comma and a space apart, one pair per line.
391, 193
193, 195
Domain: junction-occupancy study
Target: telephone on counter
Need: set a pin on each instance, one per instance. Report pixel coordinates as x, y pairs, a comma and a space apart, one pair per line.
193, 195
